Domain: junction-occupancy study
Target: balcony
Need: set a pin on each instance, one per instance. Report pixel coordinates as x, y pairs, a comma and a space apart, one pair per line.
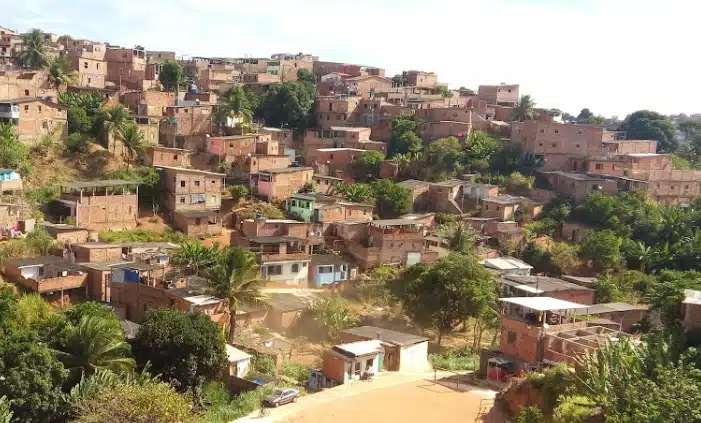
9, 111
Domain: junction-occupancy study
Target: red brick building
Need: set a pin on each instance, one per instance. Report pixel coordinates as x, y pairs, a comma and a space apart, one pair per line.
34, 117
100, 205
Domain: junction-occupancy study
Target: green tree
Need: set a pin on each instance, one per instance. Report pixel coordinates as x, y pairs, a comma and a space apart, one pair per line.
94, 344
61, 73
234, 104
76, 314
235, 278
462, 238
400, 80
288, 104
79, 122
446, 294
367, 164
172, 74
238, 192
153, 402
13, 154
194, 258
404, 137
524, 109
356, 193
479, 151
31, 378
7, 131
31, 311
40, 241
186, 349
305, 75
649, 125
133, 142
601, 249
391, 200
33, 55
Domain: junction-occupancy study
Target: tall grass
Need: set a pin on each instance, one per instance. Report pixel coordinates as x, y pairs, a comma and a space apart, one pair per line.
456, 359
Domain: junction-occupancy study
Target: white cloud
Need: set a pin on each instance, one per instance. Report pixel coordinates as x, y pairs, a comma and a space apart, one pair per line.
613, 56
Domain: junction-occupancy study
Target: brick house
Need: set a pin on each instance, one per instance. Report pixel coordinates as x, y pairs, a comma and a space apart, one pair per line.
558, 143
49, 276
507, 207
279, 184
366, 86
127, 67
166, 156
183, 122
245, 165
579, 185
419, 193
325, 184
26, 84
34, 117
234, 145
536, 329
347, 362
91, 70
100, 205
502, 94
193, 199
66, 234
332, 161
148, 103
388, 241
281, 135
421, 79
319, 208
514, 285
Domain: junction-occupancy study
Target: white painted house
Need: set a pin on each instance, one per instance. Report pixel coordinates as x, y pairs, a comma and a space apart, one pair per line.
239, 361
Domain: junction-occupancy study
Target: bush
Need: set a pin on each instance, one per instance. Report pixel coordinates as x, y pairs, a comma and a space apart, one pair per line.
296, 371
530, 415
456, 359
264, 364
238, 192
76, 143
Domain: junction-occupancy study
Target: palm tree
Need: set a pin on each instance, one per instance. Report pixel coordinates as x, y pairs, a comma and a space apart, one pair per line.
114, 121
234, 103
524, 109
133, 141
235, 279
61, 73
194, 257
644, 254
95, 344
462, 239
33, 55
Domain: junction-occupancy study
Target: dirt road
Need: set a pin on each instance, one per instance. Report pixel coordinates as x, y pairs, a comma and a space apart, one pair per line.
406, 399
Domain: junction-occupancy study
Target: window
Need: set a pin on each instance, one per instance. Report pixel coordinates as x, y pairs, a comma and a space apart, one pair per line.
369, 362
97, 66
557, 131
26, 108
580, 132
26, 92
599, 166
554, 145
182, 200
295, 268
686, 186
39, 109
89, 80
577, 145
197, 183
182, 184
540, 144
486, 206
175, 157
511, 337
324, 269
85, 65
275, 270
672, 187
498, 208
198, 221
542, 130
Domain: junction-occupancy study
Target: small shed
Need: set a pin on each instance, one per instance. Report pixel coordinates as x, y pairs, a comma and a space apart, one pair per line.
403, 351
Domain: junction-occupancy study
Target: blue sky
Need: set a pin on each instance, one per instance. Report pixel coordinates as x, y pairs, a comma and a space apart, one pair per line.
613, 56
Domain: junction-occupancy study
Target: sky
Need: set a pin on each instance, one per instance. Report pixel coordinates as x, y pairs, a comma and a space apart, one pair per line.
611, 56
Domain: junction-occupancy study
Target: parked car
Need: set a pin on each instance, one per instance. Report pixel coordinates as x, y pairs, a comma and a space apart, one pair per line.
281, 396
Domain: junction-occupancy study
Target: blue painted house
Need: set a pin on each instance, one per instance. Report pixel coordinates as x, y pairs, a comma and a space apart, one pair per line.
327, 269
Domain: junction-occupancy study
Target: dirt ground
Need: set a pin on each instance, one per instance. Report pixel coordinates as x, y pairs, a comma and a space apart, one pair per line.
418, 401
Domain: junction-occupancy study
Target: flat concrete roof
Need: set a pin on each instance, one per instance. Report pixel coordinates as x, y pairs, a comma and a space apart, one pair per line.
543, 303
386, 335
